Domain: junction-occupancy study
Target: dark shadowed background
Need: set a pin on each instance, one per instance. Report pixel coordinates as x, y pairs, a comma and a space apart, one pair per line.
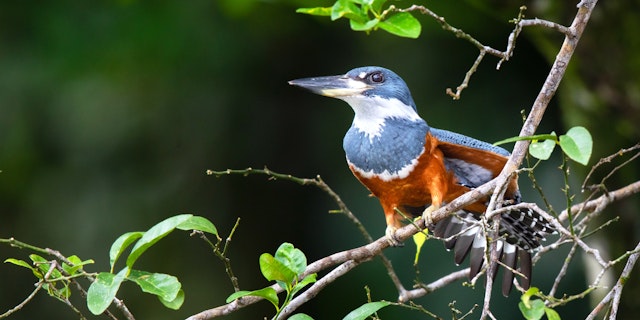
112, 111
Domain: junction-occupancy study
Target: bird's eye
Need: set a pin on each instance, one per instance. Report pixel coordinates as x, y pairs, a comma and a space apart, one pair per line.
376, 77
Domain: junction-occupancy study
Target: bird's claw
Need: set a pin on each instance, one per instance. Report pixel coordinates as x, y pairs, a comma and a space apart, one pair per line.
426, 215
391, 237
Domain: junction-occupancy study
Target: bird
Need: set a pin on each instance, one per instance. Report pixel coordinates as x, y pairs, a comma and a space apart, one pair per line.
412, 167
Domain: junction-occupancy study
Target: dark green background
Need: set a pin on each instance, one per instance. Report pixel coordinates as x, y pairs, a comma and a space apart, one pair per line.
111, 111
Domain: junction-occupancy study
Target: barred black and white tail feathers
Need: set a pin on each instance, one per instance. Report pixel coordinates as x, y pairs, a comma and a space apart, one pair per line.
521, 232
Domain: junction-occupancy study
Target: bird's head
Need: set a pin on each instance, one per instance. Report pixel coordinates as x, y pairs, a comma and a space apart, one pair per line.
371, 90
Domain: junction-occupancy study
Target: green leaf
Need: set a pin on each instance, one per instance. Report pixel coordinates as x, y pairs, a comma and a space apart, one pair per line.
103, 290
307, 280
122, 243
318, 11
577, 144
292, 258
21, 263
542, 149
534, 312
62, 293
274, 270
551, 314
419, 238
198, 223
546, 136
153, 235
402, 24
376, 5
347, 9
300, 316
77, 264
357, 26
174, 304
43, 266
526, 296
365, 310
163, 285
268, 293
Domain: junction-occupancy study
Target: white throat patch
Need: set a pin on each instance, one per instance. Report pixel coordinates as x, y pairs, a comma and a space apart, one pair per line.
371, 112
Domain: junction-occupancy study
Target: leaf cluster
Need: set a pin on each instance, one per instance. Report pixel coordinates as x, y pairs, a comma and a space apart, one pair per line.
166, 287
370, 15
286, 268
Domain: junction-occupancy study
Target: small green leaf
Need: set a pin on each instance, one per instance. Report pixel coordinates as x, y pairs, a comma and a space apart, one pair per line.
402, 24
274, 270
122, 243
43, 266
365, 310
534, 312
103, 290
62, 293
419, 238
300, 316
551, 314
542, 149
307, 280
198, 223
174, 304
526, 296
77, 264
20, 263
357, 26
546, 136
292, 258
577, 144
347, 9
163, 285
318, 11
376, 5
153, 235
268, 293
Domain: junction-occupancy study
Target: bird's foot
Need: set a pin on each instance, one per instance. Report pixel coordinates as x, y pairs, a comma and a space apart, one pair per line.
390, 232
426, 215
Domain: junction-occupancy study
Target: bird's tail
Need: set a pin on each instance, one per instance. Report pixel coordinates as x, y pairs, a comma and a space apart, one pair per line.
521, 232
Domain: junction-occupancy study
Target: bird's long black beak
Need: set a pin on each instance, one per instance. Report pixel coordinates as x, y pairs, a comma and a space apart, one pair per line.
331, 86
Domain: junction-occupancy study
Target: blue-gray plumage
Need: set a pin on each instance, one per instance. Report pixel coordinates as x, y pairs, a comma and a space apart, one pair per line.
400, 143
406, 164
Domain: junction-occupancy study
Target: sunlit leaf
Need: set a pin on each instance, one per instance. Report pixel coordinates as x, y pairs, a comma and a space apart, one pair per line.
357, 26
419, 238
542, 149
198, 223
577, 144
402, 24
274, 270
292, 258
318, 11
347, 9
268, 293
551, 314
535, 311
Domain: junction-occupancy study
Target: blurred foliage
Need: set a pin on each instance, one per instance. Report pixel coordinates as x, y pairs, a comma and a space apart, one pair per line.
111, 111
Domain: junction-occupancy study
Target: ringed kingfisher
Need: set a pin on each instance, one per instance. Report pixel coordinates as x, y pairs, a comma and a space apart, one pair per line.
410, 166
